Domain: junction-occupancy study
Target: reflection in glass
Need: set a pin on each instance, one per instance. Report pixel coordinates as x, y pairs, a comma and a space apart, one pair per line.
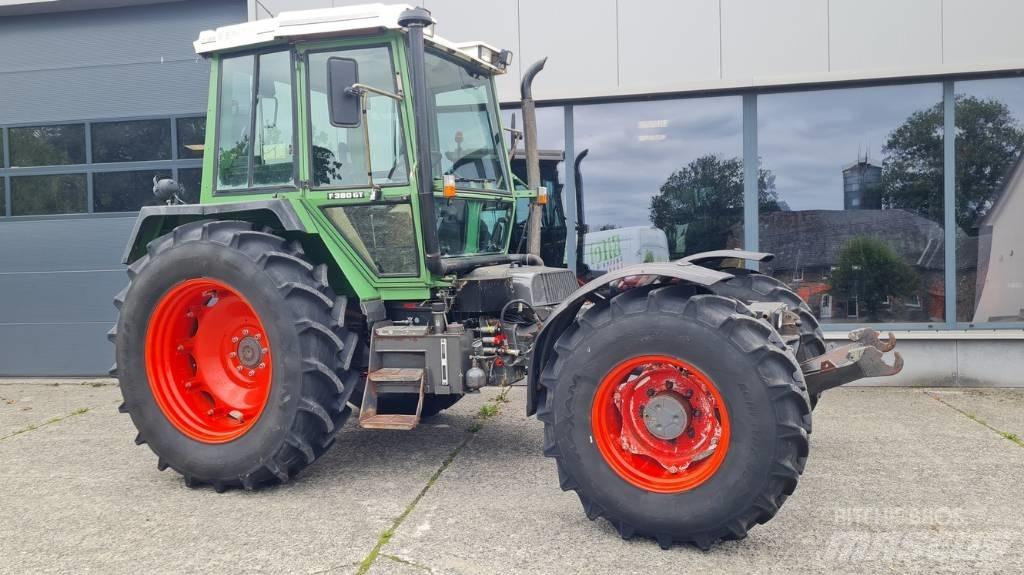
125, 191
235, 123
131, 141
191, 137
662, 179
273, 156
551, 144
47, 145
339, 154
39, 195
989, 200
383, 235
467, 142
857, 230
471, 226
192, 180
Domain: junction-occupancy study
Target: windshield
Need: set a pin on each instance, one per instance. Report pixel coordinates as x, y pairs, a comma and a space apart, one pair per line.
472, 226
467, 140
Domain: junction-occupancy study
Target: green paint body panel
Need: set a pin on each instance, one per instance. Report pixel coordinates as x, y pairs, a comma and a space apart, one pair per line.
350, 274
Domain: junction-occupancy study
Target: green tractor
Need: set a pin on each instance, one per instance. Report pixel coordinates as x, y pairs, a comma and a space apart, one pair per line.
350, 253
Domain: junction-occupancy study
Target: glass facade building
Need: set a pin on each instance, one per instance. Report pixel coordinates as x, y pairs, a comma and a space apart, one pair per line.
884, 204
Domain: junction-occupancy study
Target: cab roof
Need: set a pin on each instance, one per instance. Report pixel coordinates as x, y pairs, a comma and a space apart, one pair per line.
332, 23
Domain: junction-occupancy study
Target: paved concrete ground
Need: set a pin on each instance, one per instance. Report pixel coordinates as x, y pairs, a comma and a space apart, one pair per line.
899, 480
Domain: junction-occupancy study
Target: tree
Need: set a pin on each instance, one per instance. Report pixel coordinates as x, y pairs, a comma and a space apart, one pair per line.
870, 271
988, 141
699, 204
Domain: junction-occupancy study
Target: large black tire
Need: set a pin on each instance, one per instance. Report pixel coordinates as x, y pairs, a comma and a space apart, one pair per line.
312, 350
757, 377
751, 286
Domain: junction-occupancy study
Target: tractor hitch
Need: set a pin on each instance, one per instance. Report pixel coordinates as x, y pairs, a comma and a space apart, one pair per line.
863, 357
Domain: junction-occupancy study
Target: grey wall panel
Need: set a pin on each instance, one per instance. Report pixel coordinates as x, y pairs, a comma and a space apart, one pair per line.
778, 38
579, 39
884, 35
58, 278
64, 244
982, 32
59, 298
107, 63
665, 43
40, 350
990, 363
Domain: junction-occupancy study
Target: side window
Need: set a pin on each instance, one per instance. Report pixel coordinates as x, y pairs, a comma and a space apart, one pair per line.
340, 154
273, 156
383, 235
235, 111
255, 126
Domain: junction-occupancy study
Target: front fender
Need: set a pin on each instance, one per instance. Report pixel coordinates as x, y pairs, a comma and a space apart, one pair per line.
563, 315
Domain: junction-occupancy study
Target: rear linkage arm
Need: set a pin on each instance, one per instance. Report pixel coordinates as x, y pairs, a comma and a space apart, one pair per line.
850, 362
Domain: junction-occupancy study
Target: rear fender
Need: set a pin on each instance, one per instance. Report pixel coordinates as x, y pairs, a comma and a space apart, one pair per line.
155, 221
564, 315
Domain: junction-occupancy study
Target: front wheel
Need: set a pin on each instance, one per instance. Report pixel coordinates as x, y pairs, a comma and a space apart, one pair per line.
675, 416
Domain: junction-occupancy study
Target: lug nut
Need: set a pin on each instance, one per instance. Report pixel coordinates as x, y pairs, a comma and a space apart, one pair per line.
210, 412
188, 385
265, 351
245, 332
251, 373
232, 355
234, 340
239, 368
696, 413
688, 393
262, 365
690, 432
669, 384
189, 314
257, 336
650, 392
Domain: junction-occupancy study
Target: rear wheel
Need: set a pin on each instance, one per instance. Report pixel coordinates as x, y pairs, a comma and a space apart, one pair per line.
751, 286
232, 360
675, 416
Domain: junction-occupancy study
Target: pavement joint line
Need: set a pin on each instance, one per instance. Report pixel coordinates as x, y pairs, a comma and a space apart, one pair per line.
56, 419
385, 536
1004, 434
333, 568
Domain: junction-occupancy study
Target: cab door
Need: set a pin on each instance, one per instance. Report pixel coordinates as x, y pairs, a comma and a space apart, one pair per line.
357, 178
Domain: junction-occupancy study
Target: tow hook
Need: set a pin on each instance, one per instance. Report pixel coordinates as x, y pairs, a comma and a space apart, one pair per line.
863, 357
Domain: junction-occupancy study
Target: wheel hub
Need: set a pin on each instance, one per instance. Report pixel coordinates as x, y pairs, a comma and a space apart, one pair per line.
660, 423
250, 351
665, 416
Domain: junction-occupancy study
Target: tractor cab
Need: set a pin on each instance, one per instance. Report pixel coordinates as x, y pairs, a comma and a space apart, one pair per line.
387, 135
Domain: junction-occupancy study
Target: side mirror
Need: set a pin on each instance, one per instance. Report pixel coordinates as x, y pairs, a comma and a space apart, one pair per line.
343, 103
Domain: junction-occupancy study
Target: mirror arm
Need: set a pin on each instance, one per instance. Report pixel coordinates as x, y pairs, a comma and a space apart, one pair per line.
362, 89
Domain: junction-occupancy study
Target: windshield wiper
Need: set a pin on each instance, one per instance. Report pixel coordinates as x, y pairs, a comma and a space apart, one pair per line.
463, 179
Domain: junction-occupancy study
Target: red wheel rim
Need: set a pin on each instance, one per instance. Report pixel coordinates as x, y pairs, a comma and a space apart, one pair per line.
638, 409
208, 360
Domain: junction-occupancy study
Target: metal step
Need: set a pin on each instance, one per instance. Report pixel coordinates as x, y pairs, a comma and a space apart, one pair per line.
390, 377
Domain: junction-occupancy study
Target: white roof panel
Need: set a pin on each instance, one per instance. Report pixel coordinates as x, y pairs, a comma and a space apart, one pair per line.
346, 20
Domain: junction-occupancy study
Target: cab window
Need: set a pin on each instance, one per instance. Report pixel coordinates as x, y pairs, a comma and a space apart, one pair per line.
255, 132
340, 154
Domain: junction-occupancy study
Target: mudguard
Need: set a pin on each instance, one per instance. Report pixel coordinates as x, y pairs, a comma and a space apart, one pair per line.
563, 315
153, 221
728, 254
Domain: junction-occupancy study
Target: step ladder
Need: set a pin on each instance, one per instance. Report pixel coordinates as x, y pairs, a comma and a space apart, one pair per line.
377, 383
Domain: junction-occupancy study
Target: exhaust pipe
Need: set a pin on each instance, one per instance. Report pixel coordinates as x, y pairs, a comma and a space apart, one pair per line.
415, 20
532, 157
